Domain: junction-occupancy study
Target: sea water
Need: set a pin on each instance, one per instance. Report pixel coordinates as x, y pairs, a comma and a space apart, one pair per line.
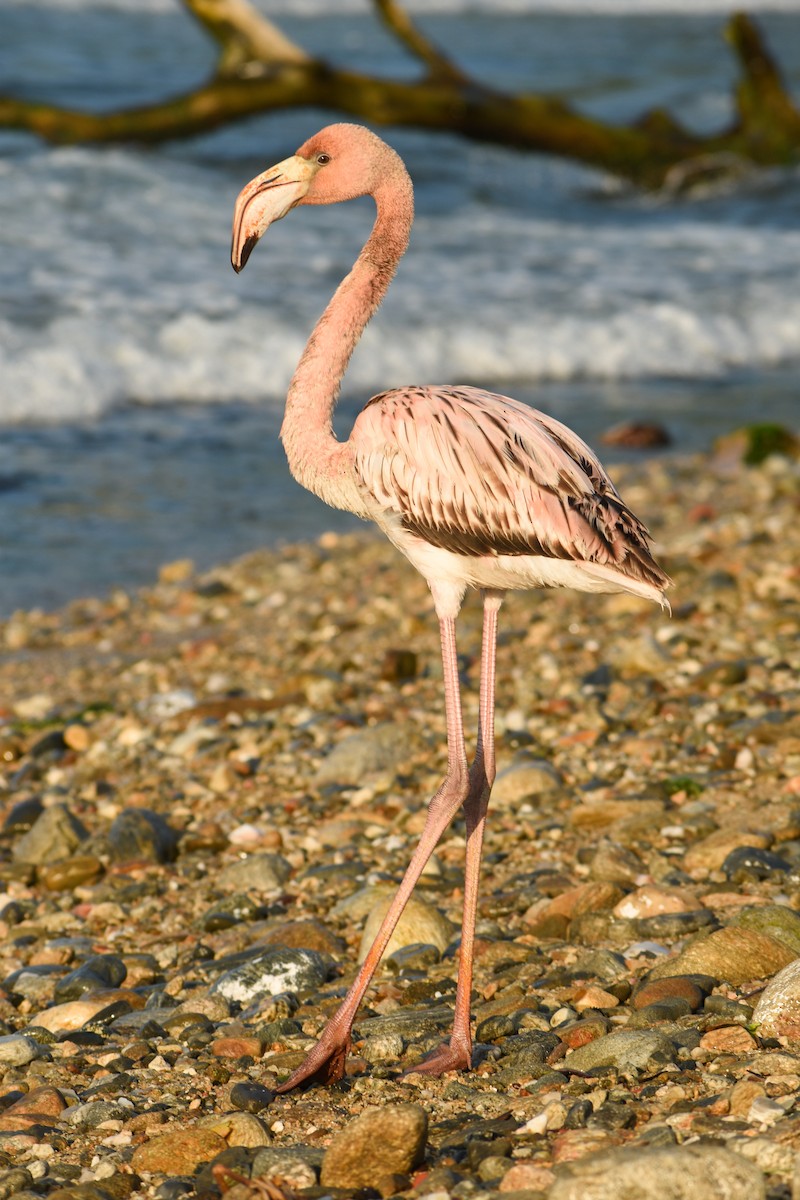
141, 381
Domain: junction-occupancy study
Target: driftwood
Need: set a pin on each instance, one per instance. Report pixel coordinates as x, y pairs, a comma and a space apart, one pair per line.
260, 70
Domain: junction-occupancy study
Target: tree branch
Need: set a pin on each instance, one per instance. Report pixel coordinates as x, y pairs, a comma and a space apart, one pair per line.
261, 71
244, 35
400, 24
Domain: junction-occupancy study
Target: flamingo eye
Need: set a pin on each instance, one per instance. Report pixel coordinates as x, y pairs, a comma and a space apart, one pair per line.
322, 159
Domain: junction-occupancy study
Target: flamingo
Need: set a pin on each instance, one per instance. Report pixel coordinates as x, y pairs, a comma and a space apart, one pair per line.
476, 489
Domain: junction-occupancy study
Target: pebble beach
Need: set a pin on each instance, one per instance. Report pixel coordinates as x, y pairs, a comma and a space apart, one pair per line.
210, 786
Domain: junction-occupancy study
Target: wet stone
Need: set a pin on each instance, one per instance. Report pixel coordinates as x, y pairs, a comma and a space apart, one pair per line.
251, 1097
746, 863
94, 975
280, 969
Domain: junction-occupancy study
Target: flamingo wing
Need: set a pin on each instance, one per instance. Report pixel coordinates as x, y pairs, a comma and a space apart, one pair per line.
481, 474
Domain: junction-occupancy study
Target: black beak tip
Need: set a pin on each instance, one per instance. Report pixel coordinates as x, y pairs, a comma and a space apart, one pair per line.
246, 251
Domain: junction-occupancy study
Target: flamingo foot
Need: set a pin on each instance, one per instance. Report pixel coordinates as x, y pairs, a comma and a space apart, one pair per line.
450, 1056
324, 1064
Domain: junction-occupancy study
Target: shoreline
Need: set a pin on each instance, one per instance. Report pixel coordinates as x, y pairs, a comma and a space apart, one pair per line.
281, 715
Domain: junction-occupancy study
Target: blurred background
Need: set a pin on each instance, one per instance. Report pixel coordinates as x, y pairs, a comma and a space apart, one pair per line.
141, 381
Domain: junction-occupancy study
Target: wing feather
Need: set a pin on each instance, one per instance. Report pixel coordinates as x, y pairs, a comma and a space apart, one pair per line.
480, 474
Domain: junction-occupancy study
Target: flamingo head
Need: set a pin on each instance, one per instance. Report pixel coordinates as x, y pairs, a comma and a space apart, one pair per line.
338, 163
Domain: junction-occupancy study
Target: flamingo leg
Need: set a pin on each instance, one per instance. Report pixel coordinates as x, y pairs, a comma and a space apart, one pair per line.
457, 1055
325, 1063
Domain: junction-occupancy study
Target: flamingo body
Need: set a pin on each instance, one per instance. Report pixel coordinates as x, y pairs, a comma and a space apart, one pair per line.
477, 490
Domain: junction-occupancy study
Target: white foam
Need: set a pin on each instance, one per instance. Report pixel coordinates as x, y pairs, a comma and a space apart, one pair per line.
131, 295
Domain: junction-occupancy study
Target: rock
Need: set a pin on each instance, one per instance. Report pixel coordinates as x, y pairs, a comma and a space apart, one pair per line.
711, 851
640, 1050
16, 1050
669, 988
526, 776
256, 873
381, 748
70, 873
732, 954
140, 835
612, 863
95, 974
238, 1128
777, 1013
306, 935
55, 835
236, 1047
380, 1142
527, 1177
661, 1173
636, 435
753, 443
650, 901
383, 1047
75, 1013
291, 1167
268, 972
775, 920
420, 923
179, 1152
747, 863
249, 1096
728, 1039
40, 1106
94, 1113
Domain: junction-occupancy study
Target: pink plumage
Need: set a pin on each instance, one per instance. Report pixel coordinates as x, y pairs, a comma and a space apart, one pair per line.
477, 490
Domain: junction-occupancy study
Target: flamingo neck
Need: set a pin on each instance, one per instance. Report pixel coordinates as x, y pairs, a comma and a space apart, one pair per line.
316, 458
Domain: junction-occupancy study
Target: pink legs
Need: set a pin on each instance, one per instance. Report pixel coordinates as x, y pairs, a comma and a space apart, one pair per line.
461, 787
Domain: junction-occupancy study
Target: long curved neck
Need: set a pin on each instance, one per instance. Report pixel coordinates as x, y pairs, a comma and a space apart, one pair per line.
316, 459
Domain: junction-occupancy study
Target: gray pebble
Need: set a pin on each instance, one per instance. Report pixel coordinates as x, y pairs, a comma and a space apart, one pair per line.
17, 1050
256, 873
55, 835
661, 1173
368, 752
633, 1049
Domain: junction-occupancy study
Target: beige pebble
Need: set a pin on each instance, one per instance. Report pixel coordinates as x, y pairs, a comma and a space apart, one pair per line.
651, 901
420, 922
75, 1013
179, 1152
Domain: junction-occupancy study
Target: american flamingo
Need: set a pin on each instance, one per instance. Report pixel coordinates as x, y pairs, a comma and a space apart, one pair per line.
477, 490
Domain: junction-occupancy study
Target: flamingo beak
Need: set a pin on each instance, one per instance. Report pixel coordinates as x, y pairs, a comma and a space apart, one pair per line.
265, 199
